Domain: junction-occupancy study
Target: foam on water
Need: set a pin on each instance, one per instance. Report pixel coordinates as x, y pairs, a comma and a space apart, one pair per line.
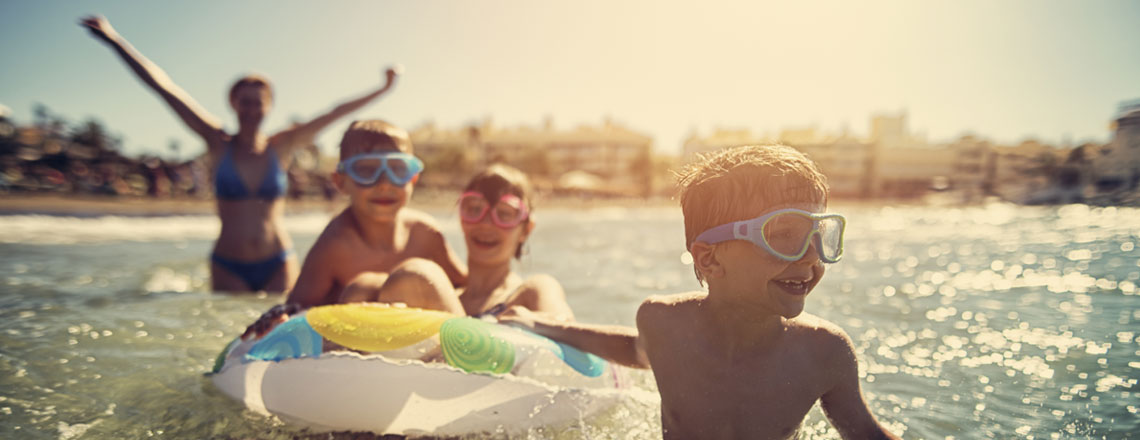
57, 230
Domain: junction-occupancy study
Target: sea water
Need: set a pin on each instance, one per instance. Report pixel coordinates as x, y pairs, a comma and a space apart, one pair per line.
993, 321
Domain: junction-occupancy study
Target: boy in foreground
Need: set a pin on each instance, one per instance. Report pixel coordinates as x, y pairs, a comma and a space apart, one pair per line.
376, 236
743, 360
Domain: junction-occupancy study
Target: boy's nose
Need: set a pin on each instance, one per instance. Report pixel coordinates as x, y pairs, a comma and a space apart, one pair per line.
384, 183
812, 254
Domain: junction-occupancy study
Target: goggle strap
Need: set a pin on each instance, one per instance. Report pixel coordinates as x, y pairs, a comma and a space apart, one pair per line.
720, 233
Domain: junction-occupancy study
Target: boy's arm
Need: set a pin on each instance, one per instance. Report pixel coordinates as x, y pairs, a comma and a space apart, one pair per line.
312, 289
615, 343
843, 403
442, 254
304, 134
316, 280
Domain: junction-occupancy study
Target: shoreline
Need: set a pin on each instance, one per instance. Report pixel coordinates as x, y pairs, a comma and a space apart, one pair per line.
68, 205
96, 206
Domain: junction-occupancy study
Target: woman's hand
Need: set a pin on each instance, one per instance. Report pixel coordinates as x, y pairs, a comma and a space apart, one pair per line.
391, 74
99, 27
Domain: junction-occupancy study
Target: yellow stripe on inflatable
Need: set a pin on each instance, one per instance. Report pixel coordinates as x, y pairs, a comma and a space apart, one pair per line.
375, 327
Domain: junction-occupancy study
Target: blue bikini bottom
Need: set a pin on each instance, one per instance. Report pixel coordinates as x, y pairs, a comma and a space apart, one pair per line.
256, 274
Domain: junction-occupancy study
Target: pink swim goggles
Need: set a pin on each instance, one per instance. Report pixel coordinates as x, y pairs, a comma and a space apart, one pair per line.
508, 212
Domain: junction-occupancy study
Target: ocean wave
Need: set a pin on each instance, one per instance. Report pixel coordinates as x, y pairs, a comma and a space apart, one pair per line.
57, 230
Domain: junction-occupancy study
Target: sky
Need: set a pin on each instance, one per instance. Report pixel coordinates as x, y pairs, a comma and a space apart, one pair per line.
1051, 70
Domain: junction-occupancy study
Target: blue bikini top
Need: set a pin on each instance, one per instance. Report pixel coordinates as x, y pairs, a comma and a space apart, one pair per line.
229, 186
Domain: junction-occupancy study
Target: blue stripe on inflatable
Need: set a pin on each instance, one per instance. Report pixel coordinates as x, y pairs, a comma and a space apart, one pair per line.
584, 363
293, 339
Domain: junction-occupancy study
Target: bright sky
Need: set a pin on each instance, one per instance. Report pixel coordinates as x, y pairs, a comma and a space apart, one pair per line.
1005, 70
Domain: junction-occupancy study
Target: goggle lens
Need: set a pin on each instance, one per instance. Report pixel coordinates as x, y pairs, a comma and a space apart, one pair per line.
789, 234
371, 166
472, 208
366, 169
831, 237
507, 213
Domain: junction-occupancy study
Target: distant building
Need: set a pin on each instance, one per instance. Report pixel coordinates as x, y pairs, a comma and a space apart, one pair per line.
617, 156
843, 159
1117, 168
720, 138
892, 163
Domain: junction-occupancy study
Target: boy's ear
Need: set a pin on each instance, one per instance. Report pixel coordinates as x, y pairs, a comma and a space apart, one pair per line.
415, 178
338, 181
705, 260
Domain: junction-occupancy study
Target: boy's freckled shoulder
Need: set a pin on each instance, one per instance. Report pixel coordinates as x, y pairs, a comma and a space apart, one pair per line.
336, 235
825, 336
420, 222
661, 311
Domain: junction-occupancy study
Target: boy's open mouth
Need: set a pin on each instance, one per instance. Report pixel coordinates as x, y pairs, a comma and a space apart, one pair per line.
795, 286
383, 201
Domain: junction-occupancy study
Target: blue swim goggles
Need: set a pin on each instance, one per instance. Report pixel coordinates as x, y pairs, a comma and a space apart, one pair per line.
786, 233
366, 169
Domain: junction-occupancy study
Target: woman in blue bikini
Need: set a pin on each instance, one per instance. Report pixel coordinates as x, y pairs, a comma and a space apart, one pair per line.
253, 252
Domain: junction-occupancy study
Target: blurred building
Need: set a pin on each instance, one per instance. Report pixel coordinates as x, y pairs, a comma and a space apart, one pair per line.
892, 163
1117, 167
605, 159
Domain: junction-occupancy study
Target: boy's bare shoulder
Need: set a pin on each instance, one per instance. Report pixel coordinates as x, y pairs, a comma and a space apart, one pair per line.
667, 308
415, 217
664, 302
826, 336
336, 235
419, 222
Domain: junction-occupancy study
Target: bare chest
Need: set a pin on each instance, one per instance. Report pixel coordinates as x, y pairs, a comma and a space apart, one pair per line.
761, 397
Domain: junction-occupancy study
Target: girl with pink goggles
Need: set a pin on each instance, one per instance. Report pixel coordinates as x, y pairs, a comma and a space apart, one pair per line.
506, 213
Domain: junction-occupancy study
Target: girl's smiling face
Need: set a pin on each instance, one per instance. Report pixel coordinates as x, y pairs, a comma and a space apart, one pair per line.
493, 232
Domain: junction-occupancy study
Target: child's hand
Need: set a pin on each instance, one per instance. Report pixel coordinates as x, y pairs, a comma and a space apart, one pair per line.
99, 27
270, 319
518, 316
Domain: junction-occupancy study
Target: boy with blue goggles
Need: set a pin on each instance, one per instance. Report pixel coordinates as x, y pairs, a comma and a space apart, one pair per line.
366, 169
786, 234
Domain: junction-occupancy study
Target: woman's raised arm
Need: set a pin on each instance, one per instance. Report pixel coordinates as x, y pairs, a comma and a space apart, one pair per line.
304, 134
191, 113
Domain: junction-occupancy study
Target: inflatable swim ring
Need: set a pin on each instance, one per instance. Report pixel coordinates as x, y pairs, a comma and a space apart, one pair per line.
492, 377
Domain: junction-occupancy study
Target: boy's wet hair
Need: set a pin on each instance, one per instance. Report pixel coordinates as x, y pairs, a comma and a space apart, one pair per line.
741, 183
375, 135
249, 80
498, 180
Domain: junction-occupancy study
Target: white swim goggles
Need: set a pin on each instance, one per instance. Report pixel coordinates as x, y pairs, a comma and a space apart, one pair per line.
786, 233
366, 169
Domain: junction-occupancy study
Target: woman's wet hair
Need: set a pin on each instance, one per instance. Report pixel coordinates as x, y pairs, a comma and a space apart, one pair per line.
498, 180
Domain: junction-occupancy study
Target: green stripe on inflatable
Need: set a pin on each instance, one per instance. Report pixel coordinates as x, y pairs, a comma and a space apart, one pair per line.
468, 344
221, 359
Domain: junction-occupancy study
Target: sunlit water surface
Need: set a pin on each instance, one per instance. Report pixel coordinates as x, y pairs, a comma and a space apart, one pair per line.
992, 321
